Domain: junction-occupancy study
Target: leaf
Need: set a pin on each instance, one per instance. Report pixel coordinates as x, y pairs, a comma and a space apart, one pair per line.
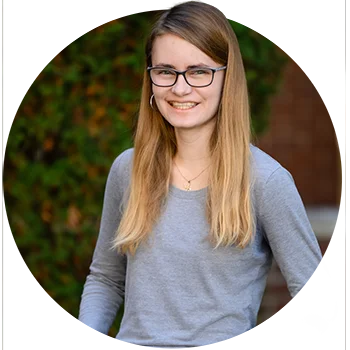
74, 217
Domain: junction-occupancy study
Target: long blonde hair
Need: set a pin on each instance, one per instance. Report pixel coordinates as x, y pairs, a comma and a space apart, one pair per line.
229, 205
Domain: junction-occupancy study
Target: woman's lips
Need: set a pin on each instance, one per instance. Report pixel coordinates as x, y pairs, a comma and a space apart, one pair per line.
183, 105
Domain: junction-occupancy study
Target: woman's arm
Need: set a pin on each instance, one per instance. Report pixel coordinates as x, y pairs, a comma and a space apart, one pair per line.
104, 287
298, 255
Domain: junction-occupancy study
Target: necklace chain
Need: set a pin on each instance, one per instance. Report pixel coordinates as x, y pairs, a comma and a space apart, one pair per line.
188, 185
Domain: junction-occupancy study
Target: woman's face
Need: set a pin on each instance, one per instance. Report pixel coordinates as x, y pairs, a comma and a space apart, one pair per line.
183, 106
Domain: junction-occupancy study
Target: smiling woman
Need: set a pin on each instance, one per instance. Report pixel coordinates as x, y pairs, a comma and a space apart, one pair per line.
194, 211
188, 98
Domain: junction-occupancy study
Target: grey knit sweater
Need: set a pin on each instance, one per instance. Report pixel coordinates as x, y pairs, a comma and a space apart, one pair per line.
178, 290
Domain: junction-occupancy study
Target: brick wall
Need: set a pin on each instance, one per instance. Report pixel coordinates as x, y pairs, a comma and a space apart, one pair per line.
302, 138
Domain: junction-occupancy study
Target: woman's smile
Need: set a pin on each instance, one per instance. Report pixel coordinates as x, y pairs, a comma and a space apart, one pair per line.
183, 105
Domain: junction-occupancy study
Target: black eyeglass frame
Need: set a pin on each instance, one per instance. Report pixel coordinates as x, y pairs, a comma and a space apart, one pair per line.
177, 72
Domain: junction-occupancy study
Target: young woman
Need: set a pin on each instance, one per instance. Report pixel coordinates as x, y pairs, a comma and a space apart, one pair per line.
193, 213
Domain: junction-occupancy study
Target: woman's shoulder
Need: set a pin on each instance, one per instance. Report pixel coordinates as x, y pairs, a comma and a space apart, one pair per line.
125, 157
266, 169
123, 160
121, 168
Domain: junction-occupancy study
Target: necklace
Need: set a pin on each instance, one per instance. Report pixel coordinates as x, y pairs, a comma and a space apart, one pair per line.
187, 185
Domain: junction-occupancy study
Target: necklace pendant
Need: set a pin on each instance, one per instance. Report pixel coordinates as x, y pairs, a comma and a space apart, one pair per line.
188, 186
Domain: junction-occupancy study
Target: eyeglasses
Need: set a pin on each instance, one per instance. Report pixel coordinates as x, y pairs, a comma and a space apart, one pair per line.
195, 77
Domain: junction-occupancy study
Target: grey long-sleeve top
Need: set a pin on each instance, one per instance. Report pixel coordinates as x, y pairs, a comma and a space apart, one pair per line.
178, 290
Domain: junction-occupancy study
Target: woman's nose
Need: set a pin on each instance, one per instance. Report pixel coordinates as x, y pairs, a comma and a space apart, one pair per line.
181, 87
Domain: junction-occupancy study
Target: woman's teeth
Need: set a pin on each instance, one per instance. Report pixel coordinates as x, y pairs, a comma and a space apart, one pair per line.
186, 105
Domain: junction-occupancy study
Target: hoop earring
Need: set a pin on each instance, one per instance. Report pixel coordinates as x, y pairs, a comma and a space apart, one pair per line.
151, 101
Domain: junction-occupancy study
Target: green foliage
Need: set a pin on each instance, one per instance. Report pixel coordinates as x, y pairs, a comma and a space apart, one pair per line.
75, 119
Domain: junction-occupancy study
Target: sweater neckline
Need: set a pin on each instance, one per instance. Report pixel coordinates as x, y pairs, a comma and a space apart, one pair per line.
175, 191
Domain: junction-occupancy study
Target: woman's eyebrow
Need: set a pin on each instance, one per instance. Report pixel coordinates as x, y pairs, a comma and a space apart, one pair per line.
166, 65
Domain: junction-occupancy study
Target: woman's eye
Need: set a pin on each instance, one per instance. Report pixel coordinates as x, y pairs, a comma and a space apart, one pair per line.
165, 72
200, 72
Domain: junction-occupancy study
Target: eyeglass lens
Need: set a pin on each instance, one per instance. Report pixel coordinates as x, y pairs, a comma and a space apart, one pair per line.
195, 77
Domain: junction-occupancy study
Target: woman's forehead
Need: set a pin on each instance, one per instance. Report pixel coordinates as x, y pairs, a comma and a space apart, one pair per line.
171, 50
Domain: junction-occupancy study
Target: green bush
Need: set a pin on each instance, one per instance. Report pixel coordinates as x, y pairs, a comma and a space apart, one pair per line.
77, 116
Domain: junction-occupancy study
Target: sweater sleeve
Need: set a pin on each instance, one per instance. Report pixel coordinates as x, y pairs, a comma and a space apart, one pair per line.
288, 230
103, 291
